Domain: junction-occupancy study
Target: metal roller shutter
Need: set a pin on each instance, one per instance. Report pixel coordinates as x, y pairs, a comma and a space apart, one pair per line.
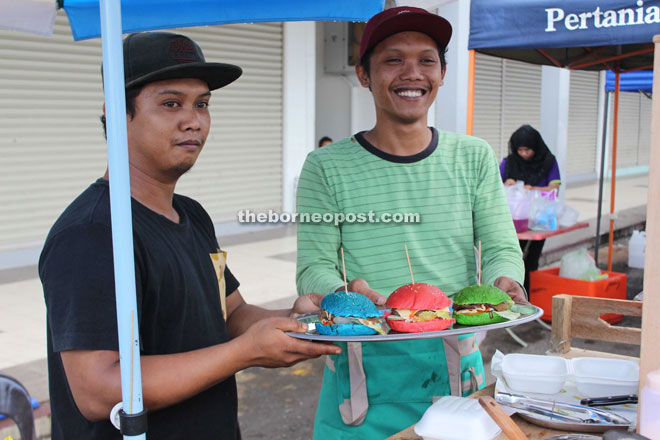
507, 95
582, 143
521, 99
51, 139
644, 130
52, 143
628, 138
488, 100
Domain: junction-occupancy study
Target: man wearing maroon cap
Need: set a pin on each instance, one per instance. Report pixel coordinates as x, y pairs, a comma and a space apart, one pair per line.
401, 165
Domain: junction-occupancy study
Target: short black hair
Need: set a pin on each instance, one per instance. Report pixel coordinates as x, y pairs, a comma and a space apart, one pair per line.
365, 61
131, 94
324, 139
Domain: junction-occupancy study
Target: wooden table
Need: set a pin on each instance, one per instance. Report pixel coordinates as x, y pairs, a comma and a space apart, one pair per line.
533, 432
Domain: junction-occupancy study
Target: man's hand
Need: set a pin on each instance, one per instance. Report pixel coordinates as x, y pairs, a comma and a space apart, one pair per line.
306, 304
358, 285
270, 347
509, 182
512, 288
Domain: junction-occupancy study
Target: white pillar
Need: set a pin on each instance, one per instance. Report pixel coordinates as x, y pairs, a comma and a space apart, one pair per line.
555, 89
451, 102
602, 123
299, 102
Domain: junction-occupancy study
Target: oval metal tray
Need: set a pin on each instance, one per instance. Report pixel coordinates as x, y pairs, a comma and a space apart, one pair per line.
527, 312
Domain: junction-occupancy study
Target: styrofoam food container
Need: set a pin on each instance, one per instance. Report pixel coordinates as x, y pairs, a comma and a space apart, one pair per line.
533, 373
597, 377
456, 418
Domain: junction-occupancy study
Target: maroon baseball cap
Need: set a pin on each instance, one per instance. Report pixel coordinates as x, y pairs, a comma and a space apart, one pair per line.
405, 18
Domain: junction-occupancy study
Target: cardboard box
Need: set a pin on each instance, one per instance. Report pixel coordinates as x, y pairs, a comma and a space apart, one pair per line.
546, 283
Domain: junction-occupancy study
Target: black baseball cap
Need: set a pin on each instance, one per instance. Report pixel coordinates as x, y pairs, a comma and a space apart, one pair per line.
405, 18
156, 56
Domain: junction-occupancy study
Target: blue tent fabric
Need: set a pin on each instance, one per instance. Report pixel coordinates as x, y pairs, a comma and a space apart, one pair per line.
146, 15
531, 24
631, 82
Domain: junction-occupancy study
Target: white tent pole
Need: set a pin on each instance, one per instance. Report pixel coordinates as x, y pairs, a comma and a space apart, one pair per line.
120, 202
601, 176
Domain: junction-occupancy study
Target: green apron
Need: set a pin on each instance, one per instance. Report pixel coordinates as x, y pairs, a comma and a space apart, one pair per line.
374, 390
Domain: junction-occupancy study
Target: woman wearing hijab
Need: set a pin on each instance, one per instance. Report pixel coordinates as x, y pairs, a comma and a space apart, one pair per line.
531, 161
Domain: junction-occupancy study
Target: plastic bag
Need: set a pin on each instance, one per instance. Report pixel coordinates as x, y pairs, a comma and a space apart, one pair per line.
580, 266
543, 211
566, 216
518, 198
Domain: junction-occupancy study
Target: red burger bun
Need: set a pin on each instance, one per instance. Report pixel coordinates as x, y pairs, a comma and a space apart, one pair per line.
418, 296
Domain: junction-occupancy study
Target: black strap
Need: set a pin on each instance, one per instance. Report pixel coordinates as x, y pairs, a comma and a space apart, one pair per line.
133, 424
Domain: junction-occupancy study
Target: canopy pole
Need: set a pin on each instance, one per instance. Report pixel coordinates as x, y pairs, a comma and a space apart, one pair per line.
469, 123
601, 179
121, 220
615, 130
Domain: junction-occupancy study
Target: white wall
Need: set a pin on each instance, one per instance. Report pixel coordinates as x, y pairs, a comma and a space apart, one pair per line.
343, 106
555, 90
451, 102
299, 102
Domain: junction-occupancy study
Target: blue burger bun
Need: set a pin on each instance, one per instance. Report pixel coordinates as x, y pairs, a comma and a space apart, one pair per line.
353, 304
344, 330
344, 303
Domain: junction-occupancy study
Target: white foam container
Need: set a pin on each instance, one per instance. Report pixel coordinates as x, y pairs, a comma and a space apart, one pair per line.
456, 418
597, 377
532, 373
593, 376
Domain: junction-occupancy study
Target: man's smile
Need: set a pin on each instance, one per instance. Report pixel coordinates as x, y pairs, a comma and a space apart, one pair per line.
410, 92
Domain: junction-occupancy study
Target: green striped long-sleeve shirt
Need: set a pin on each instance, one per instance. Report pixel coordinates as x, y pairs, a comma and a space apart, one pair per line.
454, 186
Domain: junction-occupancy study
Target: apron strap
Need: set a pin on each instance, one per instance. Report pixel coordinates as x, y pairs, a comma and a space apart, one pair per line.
354, 410
453, 358
330, 364
454, 351
473, 382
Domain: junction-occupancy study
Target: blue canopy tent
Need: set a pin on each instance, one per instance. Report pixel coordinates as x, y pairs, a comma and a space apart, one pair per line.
638, 81
109, 19
618, 35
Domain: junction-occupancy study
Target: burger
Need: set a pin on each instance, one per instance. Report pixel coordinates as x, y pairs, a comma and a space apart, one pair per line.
482, 304
418, 308
349, 314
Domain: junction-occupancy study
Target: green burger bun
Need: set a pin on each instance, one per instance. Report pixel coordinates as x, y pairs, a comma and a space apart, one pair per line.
482, 304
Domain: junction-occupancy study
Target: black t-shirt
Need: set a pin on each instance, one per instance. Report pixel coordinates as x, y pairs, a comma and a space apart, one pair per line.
178, 305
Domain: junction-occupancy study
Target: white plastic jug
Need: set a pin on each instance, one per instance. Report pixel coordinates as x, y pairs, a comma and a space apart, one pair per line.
636, 249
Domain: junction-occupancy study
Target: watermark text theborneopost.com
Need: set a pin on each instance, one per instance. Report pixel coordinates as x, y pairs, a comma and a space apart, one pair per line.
336, 218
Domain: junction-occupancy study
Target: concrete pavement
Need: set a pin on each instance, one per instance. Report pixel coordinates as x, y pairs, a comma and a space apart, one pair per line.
264, 262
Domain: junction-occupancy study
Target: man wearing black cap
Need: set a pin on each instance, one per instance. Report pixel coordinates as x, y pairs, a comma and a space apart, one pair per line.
402, 166
189, 351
